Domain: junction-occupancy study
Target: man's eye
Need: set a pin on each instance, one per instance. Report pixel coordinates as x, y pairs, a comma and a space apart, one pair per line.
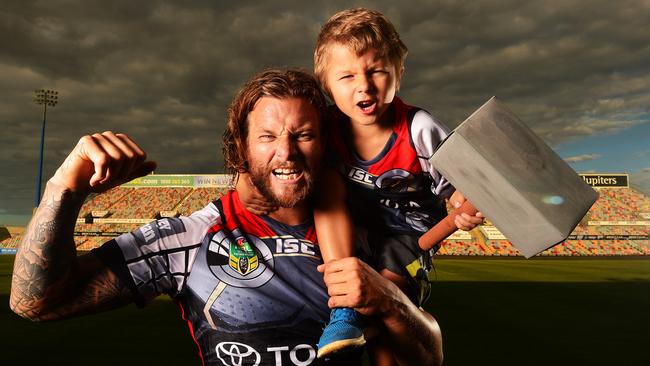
305, 136
267, 137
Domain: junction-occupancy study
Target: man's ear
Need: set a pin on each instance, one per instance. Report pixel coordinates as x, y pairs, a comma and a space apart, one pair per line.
243, 155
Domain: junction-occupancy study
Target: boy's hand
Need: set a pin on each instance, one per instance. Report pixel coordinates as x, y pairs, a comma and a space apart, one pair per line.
252, 199
464, 221
100, 162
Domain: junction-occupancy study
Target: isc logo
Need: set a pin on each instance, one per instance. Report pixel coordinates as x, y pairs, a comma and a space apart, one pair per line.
293, 245
361, 176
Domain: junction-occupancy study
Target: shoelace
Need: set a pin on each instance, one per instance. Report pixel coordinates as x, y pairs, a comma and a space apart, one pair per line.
347, 315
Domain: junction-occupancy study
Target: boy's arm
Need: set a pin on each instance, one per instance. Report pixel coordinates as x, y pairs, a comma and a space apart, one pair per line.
413, 336
426, 134
332, 219
49, 281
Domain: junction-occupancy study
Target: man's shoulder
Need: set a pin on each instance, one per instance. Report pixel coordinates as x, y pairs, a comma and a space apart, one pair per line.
208, 214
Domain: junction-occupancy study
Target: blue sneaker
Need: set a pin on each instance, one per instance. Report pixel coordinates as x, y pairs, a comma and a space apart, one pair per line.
344, 331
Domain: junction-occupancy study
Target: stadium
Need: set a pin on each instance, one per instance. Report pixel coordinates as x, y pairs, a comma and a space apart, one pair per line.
493, 305
618, 224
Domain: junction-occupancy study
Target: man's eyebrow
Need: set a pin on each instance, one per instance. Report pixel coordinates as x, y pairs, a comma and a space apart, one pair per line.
265, 130
261, 129
308, 125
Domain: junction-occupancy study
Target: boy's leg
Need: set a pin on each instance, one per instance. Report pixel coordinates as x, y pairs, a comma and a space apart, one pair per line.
399, 259
336, 240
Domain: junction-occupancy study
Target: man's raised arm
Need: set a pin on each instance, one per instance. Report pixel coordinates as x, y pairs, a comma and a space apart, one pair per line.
49, 281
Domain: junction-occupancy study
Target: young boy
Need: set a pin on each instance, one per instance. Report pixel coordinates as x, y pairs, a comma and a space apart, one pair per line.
381, 146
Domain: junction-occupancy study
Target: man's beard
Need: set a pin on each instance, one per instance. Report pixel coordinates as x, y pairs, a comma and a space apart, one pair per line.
261, 178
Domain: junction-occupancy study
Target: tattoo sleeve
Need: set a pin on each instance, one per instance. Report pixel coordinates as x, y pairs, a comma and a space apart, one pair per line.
49, 281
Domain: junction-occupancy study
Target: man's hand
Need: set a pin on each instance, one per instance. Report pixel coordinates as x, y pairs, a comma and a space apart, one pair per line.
465, 221
102, 161
352, 283
407, 335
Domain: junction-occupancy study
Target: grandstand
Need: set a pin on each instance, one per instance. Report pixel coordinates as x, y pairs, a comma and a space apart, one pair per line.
618, 224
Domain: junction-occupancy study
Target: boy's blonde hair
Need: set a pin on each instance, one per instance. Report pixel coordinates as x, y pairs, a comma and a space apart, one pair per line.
360, 29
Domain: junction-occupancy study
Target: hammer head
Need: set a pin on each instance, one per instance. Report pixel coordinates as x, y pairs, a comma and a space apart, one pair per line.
530, 194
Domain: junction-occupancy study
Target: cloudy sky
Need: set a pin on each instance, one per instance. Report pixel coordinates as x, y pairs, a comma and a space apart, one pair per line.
577, 72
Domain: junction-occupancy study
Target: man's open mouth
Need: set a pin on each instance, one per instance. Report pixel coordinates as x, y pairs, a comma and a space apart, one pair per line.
287, 174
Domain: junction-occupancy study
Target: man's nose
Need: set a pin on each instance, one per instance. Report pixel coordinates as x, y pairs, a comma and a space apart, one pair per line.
286, 147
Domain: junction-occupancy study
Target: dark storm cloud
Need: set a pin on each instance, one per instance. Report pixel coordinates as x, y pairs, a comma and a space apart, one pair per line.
165, 72
568, 68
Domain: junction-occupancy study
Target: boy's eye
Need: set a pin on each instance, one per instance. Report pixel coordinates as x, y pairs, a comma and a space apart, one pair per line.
345, 77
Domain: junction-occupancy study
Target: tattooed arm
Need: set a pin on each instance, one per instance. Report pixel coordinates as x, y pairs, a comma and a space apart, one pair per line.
49, 280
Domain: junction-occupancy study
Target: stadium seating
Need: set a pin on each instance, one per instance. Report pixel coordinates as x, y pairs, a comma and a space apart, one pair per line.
624, 211
147, 202
103, 201
198, 198
11, 242
619, 204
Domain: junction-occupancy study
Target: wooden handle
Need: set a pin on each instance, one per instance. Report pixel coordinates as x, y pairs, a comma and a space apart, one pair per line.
445, 227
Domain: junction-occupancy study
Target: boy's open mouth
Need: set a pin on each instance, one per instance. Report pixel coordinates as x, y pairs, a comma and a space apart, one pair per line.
367, 106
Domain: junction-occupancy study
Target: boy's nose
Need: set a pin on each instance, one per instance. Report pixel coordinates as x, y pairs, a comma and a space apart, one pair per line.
365, 84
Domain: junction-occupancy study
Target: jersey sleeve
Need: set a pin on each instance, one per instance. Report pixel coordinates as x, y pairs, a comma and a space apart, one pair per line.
426, 134
157, 258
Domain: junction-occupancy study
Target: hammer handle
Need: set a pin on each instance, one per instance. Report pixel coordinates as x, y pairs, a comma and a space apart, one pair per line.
445, 227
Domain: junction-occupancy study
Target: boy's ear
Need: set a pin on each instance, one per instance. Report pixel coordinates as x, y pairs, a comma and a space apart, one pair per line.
398, 76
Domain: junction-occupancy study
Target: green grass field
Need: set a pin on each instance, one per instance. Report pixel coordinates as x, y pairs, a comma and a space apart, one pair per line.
492, 312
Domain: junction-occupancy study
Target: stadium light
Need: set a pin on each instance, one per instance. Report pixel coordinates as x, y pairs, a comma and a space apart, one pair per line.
44, 97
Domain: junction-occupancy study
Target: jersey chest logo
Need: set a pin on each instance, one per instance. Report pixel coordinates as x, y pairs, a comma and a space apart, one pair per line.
396, 180
242, 257
240, 261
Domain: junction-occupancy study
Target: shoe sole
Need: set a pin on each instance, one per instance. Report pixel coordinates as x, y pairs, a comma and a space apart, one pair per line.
339, 346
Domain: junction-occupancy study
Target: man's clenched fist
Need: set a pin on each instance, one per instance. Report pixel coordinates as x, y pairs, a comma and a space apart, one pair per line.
102, 161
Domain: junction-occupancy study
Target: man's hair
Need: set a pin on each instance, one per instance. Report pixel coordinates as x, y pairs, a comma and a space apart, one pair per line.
361, 30
274, 83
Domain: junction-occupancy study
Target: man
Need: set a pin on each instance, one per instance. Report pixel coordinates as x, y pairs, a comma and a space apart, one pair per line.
247, 284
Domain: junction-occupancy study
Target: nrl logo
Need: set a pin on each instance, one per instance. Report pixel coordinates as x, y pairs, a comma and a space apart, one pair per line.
242, 257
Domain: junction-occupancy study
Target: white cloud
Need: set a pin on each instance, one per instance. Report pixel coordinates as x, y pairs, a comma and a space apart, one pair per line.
581, 158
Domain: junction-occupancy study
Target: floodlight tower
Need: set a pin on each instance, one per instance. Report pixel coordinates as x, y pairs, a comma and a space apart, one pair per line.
43, 97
